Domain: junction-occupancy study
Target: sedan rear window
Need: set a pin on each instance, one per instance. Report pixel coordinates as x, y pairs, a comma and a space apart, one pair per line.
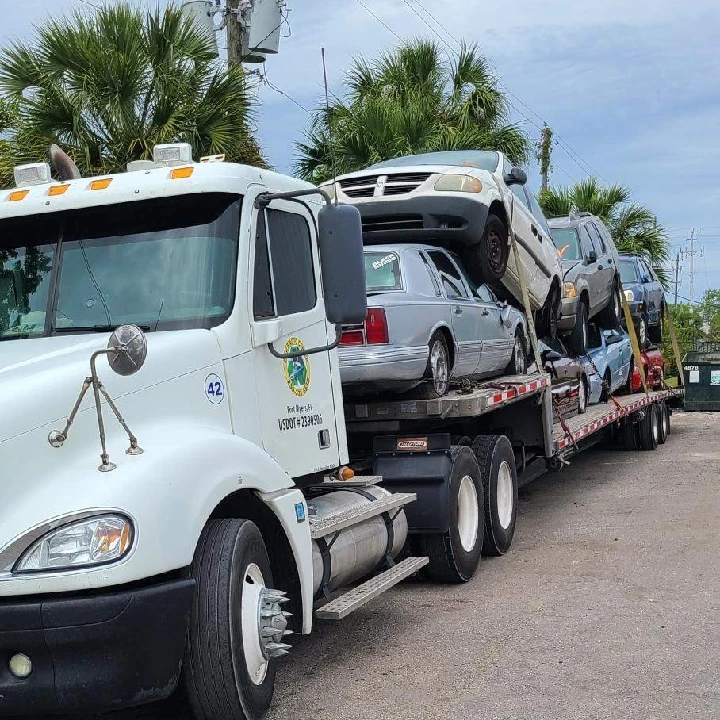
567, 243
628, 271
382, 272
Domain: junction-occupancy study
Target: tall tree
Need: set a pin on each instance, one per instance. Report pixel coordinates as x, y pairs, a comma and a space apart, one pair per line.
110, 84
408, 101
634, 228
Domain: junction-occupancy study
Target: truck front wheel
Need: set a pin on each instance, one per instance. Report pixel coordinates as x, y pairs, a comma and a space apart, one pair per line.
454, 555
229, 667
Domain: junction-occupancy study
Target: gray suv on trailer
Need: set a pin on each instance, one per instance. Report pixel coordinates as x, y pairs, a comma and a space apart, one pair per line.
591, 282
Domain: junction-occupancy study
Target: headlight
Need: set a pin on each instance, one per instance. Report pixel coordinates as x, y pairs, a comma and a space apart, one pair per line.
85, 543
569, 290
629, 295
458, 183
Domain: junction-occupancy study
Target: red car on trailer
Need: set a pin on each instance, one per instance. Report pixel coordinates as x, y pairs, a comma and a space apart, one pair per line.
654, 369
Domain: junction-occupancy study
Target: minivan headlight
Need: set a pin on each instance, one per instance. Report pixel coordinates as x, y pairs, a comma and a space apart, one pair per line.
85, 543
458, 183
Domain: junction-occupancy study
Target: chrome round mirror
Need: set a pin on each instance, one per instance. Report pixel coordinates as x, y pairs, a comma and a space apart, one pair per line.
127, 350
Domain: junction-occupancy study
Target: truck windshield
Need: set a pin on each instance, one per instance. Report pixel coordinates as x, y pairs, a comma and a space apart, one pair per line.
163, 264
382, 272
628, 271
567, 243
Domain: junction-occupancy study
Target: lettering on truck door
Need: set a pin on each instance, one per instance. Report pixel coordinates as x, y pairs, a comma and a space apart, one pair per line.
296, 404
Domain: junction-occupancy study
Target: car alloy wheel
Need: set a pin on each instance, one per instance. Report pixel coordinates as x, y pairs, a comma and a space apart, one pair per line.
439, 367
495, 252
519, 355
642, 333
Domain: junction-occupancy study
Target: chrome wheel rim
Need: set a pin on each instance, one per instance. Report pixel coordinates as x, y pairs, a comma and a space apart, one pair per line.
655, 428
255, 660
505, 495
468, 514
439, 367
618, 310
582, 396
643, 333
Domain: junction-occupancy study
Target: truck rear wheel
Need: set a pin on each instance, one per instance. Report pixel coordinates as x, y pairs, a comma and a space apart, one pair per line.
496, 459
664, 419
454, 555
228, 674
649, 428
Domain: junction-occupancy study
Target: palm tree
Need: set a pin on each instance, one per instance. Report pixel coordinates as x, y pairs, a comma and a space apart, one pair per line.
109, 85
408, 101
634, 228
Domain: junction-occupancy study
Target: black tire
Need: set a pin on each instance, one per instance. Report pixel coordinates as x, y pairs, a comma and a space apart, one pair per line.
630, 436
664, 419
649, 428
668, 414
435, 387
217, 681
450, 560
518, 360
655, 332
611, 315
495, 455
547, 317
486, 261
578, 340
583, 390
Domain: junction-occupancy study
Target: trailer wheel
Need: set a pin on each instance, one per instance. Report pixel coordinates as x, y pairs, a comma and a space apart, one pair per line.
668, 425
496, 459
454, 555
664, 419
630, 437
649, 428
228, 674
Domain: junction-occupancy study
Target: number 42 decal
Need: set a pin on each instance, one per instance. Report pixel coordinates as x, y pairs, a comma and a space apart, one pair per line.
214, 389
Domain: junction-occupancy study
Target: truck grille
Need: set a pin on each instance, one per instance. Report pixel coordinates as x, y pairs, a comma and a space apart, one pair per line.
382, 185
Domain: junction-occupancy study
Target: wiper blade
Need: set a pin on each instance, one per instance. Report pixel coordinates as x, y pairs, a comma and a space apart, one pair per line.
94, 328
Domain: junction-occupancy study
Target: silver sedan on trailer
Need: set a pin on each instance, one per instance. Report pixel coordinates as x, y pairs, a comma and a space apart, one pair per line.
427, 324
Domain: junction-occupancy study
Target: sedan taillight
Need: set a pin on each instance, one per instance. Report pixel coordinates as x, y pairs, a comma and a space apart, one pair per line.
352, 337
376, 328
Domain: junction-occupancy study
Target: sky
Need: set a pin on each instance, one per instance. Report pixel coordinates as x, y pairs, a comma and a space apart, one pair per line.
631, 88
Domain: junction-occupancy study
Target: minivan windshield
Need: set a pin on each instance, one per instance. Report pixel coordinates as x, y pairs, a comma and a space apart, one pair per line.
628, 271
567, 242
162, 264
479, 159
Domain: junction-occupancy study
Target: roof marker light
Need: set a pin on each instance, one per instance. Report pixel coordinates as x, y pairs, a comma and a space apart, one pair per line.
102, 184
55, 190
181, 173
18, 195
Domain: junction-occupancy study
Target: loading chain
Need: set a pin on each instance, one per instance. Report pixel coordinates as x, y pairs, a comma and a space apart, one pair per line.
563, 424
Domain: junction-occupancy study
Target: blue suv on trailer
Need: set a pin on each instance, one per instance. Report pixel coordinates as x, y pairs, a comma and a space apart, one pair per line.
645, 296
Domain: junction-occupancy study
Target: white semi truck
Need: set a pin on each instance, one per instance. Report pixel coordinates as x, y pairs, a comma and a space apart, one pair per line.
174, 500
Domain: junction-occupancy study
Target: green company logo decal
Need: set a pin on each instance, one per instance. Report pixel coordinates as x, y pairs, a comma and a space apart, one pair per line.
297, 369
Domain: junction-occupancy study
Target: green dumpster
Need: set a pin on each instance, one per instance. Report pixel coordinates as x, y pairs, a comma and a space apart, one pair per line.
701, 369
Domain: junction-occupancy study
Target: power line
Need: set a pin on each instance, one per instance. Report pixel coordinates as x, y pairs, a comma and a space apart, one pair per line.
278, 90
387, 27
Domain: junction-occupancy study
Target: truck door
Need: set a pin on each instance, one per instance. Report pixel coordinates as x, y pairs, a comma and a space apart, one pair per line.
295, 395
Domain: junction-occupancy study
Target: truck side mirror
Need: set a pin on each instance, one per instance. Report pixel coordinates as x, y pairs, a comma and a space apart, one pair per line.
343, 264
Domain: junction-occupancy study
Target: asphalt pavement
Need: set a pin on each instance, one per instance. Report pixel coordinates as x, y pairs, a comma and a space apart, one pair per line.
607, 606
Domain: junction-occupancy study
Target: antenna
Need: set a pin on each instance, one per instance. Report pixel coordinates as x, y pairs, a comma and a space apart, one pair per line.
330, 127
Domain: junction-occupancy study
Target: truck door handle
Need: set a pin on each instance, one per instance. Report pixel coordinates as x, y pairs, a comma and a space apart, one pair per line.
457, 310
534, 230
485, 312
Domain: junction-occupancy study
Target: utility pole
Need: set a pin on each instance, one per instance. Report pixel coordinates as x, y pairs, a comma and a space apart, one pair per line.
544, 152
691, 253
677, 275
234, 32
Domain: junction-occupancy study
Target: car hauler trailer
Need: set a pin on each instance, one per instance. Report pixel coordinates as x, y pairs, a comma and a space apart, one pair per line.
176, 499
